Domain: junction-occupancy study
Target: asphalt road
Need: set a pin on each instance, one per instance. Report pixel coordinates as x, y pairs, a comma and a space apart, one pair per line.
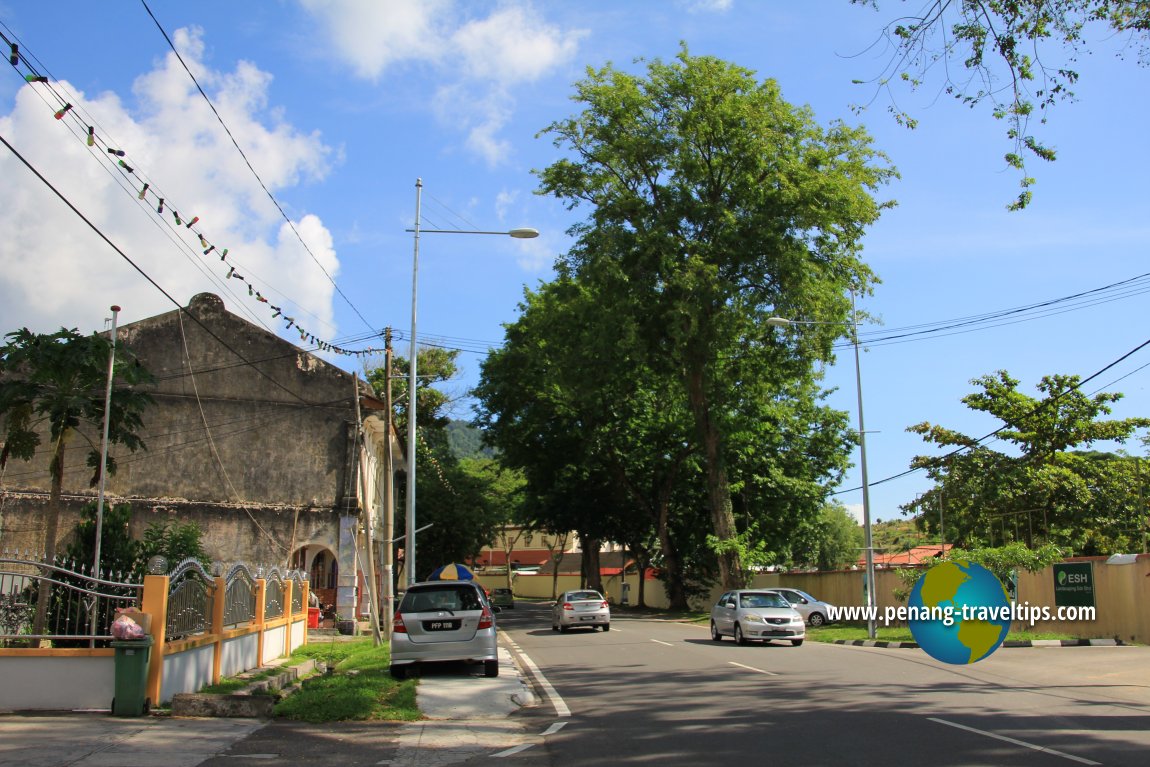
664, 693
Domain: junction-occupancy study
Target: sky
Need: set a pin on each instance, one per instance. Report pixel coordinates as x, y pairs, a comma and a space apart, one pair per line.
329, 111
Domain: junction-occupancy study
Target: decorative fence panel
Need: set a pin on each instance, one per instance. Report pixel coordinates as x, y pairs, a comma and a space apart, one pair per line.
274, 594
190, 597
240, 596
61, 602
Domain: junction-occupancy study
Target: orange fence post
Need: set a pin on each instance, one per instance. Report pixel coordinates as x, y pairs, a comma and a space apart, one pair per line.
155, 603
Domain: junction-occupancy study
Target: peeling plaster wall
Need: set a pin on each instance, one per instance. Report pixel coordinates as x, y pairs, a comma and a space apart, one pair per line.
250, 437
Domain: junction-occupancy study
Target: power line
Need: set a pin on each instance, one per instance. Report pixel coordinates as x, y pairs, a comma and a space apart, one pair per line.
249, 164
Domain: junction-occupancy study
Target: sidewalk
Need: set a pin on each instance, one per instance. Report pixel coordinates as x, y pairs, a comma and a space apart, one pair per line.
467, 715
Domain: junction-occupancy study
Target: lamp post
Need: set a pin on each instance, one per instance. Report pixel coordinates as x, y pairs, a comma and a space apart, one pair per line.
521, 234
868, 545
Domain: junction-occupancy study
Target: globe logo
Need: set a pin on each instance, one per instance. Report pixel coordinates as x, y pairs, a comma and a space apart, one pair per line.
959, 612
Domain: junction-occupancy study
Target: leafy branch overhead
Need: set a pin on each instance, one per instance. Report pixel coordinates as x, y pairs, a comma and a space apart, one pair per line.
1018, 57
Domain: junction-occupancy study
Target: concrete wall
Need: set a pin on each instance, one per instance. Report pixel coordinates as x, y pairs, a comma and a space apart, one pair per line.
250, 438
1122, 594
42, 682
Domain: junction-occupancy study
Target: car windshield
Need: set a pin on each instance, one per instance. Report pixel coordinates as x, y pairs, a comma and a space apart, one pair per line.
762, 600
576, 596
446, 597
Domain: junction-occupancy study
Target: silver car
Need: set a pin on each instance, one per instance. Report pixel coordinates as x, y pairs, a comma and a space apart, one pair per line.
581, 607
756, 614
815, 612
444, 621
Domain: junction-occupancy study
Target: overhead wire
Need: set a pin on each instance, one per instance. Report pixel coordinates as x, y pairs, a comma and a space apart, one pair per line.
69, 115
239, 149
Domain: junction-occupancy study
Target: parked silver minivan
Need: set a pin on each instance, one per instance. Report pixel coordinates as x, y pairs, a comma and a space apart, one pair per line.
444, 621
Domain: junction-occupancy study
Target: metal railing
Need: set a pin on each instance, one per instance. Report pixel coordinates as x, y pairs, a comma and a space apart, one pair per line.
59, 601
191, 591
239, 596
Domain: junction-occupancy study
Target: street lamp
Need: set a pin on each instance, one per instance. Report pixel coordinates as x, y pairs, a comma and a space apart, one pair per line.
520, 234
867, 539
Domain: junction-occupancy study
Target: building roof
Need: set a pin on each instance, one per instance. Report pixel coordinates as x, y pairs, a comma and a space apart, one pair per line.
914, 556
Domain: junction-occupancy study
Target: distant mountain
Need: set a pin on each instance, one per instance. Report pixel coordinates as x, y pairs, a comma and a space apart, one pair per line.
466, 441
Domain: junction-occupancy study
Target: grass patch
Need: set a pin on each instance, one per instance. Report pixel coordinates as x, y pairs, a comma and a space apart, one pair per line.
360, 687
225, 687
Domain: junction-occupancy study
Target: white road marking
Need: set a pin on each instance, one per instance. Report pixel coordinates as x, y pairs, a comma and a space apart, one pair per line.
551, 693
752, 668
554, 728
660, 641
512, 751
1015, 741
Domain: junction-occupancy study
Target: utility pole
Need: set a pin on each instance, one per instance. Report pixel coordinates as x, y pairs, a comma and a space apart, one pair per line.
388, 544
365, 511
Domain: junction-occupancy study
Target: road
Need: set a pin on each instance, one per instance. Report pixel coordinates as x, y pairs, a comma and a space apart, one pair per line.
650, 692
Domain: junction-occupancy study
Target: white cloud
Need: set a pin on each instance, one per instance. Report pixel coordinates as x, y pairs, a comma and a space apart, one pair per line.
58, 272
484, 56
708, 6
856, 511
513, 45
372, 35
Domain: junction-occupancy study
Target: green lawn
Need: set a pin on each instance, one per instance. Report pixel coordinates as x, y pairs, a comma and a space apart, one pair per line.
359, 686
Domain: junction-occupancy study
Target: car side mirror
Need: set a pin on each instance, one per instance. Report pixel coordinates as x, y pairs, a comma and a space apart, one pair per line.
729, 606
496, 609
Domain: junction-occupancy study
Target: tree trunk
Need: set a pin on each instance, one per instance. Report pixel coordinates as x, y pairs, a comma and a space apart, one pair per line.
718, 487
676, 592
51, 528
592, 577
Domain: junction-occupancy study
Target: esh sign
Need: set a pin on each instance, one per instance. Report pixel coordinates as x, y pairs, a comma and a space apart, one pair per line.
1074, 584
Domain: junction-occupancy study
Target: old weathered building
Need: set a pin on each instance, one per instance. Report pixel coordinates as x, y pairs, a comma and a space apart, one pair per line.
252, 438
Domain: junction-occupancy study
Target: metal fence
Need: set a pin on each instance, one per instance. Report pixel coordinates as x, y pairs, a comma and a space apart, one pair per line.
239, 596
77, 609
60, 601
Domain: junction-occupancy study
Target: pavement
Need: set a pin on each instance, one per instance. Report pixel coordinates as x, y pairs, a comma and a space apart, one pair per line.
467, 715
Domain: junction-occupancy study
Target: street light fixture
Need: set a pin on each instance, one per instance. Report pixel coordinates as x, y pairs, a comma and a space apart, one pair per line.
868, 544
523, 233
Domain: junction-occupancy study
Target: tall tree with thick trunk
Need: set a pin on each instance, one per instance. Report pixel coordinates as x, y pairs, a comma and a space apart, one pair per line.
714, 204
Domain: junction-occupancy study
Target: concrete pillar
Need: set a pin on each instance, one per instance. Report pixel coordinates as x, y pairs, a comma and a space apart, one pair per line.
345, 601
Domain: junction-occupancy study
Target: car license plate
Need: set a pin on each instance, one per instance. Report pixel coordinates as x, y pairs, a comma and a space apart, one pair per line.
586, 617
440, 625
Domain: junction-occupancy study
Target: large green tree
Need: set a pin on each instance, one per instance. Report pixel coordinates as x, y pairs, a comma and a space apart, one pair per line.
56, 384
1045, 486
1017, 56
713, 204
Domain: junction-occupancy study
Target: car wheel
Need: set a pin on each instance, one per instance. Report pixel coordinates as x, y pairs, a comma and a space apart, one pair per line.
715, 635
797, 642
739, 638
399, 672
490, 668
606, 626
816, 620
563, 629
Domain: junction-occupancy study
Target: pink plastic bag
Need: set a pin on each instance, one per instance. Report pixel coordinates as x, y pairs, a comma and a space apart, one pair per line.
126, 628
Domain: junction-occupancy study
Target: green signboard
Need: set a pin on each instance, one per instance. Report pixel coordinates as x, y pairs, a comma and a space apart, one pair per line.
1074, 584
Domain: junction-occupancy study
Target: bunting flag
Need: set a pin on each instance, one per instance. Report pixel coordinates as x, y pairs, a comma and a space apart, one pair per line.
146, 193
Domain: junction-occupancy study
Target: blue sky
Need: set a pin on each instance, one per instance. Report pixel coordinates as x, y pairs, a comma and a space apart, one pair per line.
340, 106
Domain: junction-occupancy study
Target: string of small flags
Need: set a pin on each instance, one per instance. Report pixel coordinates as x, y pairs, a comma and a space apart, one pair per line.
164, 208
429, 455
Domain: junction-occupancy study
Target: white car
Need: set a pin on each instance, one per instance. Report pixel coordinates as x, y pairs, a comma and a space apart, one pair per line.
756, 614
580, 607
444, 621
815, 612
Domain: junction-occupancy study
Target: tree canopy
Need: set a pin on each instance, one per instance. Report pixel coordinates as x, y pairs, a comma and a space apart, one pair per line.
713, 205
1047, 487
1017, 56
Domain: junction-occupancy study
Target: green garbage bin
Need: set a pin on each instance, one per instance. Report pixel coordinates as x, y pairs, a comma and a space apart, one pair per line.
132, 677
